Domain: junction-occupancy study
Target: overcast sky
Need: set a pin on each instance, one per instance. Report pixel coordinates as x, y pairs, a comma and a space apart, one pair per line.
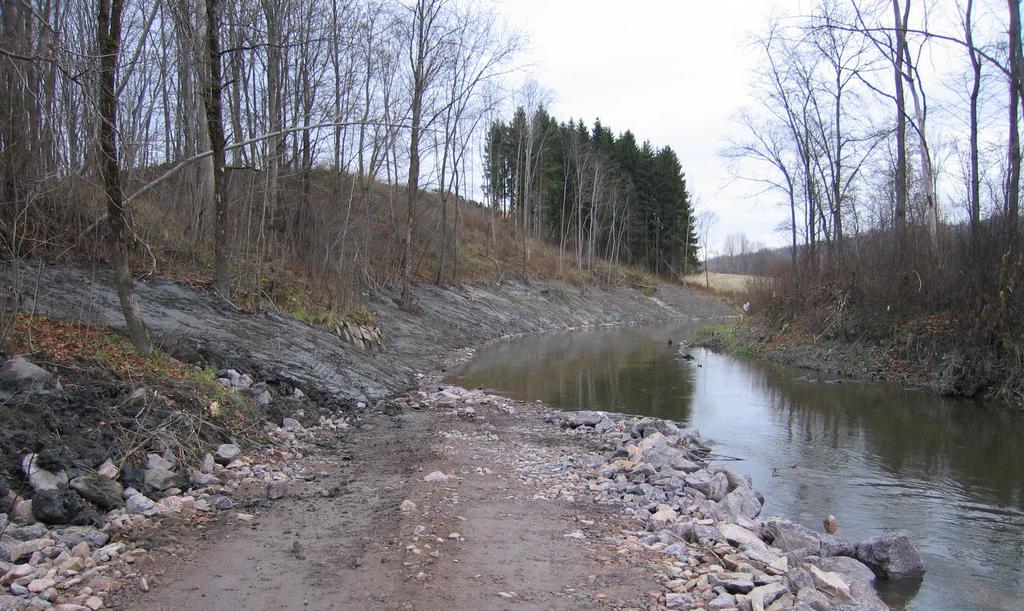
671, 71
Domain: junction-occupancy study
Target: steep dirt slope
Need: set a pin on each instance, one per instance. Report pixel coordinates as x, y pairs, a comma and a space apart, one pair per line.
279, 348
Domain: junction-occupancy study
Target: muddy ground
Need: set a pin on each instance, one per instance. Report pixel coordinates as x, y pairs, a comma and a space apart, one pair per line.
480, 539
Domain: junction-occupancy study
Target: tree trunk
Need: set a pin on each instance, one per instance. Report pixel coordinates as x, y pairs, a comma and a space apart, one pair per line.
901, 120
215, 127
975, 179
109, 42
1013, 179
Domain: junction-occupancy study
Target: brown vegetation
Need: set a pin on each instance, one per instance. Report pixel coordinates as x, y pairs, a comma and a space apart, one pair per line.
954, 314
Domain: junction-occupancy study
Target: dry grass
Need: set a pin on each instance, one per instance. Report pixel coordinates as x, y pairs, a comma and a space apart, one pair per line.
724, 284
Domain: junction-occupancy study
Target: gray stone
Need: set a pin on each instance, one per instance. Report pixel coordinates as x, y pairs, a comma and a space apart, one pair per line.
740, 503
263, 399
677, 600
832, 545
762, 596
277, 489
48, 506
39, 478
27, 533
12, 550
162, 479
737, 535
891, 556
583, 418
722, 601
712, 485
789, 537
138, 503
73, 535
18, 590
798, 579
223, 503
866, 597
734, 583
227, 452
829, 582
291, 424
735, 479
156, 461
850, 569
19, 373
671, 458
698, 533
105, 493
813, 599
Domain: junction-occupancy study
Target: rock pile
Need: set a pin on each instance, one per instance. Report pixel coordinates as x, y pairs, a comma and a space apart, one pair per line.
704, 519
708, 519
66, 539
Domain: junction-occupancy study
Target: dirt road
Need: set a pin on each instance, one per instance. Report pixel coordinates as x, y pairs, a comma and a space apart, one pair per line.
479, 539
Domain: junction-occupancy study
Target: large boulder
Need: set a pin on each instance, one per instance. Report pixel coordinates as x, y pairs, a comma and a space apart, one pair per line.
712, 485
739, 505
105, 493
735, 479
61, 507
646, 426
227, 452
663, 457
832, 545
790, 537
890, 556
850, 569
583, 418
162, 479
737, 535
19, 373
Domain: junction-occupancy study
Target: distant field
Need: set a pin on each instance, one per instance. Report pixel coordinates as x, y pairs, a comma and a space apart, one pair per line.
721, 283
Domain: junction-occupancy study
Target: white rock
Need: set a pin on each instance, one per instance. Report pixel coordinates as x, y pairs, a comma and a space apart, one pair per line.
436, 476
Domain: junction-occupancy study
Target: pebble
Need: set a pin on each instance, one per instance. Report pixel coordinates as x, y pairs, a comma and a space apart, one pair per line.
436, 476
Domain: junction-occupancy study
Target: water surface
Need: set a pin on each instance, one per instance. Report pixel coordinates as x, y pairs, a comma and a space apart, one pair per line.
879, 457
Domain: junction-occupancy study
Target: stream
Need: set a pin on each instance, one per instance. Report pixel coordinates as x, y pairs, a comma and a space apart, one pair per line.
879, 457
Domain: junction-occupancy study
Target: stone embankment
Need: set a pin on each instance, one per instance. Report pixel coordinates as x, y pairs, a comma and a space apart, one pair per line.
708, 518
705, 519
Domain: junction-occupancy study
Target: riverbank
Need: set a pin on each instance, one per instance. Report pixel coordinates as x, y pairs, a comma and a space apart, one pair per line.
457, 499
368, 498
834, 359
931, 352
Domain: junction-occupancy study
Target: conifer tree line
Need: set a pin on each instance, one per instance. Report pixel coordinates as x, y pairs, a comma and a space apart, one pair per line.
595, 194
